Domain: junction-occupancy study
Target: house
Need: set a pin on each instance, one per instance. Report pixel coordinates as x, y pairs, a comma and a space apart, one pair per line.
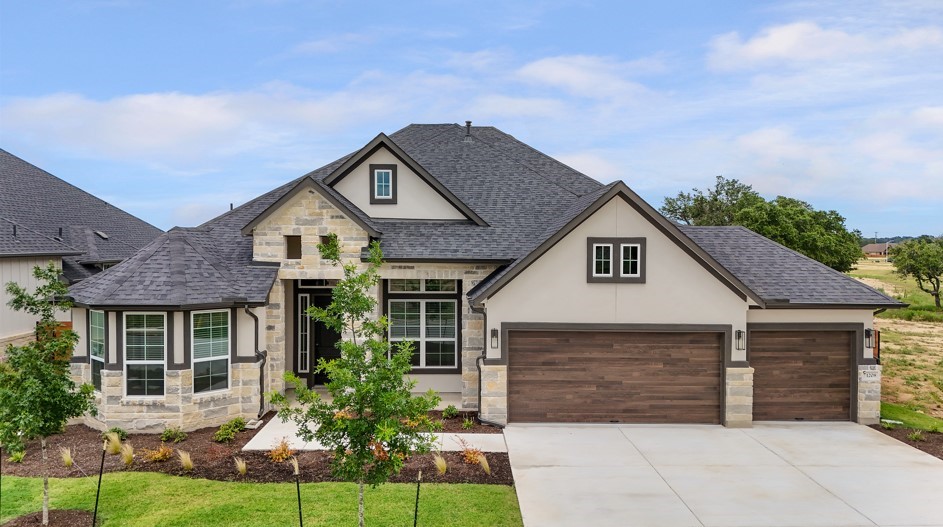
877, 250
44, 219
533, 292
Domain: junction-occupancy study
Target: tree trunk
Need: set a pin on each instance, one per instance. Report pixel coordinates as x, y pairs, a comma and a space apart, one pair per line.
360, 511
42, 441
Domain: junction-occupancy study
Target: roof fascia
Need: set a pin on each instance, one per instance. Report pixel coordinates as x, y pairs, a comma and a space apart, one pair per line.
789, 305
308, 184
383, 141
40, 253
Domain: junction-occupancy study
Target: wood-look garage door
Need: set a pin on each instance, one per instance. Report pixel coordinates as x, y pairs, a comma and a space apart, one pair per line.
606, 377
801, 375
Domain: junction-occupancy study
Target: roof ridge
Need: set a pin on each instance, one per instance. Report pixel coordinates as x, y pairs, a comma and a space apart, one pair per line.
206, 224
523, 164
37, 233
215, 262
126, 269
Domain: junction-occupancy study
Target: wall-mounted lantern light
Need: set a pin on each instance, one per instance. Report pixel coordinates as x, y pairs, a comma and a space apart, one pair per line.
741, 345
869, 338
494, 338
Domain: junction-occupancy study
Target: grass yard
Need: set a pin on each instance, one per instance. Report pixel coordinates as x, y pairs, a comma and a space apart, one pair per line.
881, 275
910, 418
146, 499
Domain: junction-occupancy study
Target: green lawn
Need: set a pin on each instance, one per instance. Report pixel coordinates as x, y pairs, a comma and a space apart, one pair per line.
147, 499
910, 418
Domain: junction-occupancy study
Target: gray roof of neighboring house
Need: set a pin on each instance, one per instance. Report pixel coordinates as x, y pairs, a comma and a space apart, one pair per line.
58, 211
779, 274
19, 240
524, 196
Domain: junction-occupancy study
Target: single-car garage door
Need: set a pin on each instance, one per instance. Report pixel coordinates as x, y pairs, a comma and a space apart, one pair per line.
801, 375
606, 377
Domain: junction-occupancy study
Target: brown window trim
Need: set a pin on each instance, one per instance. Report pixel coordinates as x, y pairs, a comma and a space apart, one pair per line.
374, 200
447, 295
616, 262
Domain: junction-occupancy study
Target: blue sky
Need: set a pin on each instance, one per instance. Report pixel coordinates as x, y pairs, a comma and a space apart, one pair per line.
172, 110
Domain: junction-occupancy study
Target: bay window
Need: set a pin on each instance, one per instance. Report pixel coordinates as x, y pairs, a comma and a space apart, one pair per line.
210, 345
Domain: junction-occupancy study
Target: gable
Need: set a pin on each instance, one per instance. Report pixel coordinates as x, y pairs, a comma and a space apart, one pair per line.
676, 287
414, 197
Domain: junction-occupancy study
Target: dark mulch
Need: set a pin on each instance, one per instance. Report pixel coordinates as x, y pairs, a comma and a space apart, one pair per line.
456, 424
215, 461
932, 441
57, 518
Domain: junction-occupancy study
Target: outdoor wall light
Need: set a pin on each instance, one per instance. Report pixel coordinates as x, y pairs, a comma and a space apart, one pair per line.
869, 338
494, 338
741, 345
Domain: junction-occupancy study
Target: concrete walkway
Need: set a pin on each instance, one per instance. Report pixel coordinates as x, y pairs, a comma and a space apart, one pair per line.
273, 432
775, 474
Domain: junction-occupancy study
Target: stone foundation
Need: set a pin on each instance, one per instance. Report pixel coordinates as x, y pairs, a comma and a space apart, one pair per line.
738, 398
869, 394
15, 340
494, 393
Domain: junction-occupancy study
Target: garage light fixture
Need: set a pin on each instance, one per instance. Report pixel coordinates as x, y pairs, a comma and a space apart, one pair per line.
869, 338
494, 338
741, 345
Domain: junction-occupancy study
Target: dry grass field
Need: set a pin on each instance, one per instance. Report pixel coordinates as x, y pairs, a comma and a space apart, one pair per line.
911, 350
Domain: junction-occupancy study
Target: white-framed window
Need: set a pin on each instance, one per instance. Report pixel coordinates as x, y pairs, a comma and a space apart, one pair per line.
96, 346
145, 347
383, 183
602, 259
304, 334
631, 259
210, 346
432, 326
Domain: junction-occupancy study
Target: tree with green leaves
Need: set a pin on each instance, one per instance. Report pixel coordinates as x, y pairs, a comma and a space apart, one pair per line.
820, 235
37, 394
374, 421
921, 259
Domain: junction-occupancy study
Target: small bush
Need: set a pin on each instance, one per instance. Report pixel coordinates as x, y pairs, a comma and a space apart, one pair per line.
121, 433
468, 424
227, 432
294, 466
916, 435
113, 443
440, 464
450, 412
173, 435
161, 453
887, 426
483, 463
127, 454
281, 452
474, 456
241, 466
66, 455
186, 463
18, 456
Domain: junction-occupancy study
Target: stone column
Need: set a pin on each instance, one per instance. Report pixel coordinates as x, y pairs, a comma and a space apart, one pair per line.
494, 393
738, 398
869, 394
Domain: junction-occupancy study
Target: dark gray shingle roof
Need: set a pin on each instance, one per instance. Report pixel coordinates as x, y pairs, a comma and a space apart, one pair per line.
779, 274
19, 240
34, 198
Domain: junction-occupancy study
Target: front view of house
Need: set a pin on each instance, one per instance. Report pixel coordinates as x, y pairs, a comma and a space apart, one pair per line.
532, 291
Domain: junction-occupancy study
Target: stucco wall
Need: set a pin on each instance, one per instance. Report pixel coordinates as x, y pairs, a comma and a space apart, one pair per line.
677, 289
414, 197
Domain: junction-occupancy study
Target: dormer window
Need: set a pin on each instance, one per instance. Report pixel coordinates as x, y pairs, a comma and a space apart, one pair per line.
382, 184
615, 260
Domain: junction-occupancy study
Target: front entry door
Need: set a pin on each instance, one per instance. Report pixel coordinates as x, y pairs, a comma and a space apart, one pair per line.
314, 340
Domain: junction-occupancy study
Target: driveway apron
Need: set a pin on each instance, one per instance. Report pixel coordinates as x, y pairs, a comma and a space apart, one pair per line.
775, 474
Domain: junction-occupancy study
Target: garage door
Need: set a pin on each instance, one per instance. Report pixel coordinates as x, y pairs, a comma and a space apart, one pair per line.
801, 375
609, 377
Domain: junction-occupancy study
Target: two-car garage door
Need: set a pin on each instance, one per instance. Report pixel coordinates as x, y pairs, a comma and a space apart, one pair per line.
614, 377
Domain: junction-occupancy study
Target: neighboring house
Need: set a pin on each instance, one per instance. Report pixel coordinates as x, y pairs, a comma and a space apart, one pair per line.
877, 250
44, 219
534, 292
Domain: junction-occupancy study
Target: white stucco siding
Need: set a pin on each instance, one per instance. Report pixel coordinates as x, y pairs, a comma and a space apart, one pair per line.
80, 326
437, 382
20, 270
677, 290
245, 327
414, 197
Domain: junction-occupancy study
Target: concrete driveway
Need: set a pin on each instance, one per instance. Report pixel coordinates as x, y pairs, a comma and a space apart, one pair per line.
789, 474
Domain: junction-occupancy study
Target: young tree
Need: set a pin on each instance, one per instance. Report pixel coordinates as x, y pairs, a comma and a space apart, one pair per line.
374, 422
923, 260
37, 395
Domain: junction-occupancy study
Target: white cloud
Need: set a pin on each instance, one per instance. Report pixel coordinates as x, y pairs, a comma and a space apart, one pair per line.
334, 43
588, 76
600, 166
804, 42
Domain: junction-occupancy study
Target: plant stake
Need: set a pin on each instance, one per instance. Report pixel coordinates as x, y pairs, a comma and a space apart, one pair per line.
416, 512
294, 463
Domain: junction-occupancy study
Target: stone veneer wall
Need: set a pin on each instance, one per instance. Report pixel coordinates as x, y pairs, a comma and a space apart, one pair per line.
494, 393
869, 394
178, 407
15, 340
738, 397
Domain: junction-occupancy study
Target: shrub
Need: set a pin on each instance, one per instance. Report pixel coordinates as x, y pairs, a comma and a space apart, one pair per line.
440, 463
227, 432
241, 466
281, 452
173, 434
887, 426
468, 424
120, 432
114, 443
127, 454
916, 435
450, 412
474, 456
66, 455
18, 456
186, 463
161, 453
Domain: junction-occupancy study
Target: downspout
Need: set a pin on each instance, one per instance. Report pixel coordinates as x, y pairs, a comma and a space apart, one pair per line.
261, 356
478, 363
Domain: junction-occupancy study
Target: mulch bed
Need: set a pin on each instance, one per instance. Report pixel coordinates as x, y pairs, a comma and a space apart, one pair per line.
214, 461
57, 518
456, 425
932, 441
